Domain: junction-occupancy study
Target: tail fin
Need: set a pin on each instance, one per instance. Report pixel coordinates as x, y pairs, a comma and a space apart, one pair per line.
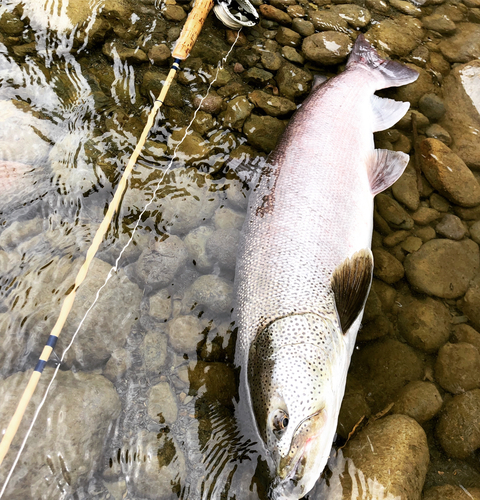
394, 73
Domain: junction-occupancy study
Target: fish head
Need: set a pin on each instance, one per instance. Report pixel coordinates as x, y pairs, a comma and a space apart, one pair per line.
296, 376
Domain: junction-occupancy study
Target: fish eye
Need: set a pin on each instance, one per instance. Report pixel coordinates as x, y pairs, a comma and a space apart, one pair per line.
280, 421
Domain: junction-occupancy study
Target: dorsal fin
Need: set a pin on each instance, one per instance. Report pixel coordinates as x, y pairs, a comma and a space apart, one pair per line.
384, 168
351, 282
387, 112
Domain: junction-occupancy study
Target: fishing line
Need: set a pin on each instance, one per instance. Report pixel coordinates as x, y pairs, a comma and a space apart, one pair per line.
114, 269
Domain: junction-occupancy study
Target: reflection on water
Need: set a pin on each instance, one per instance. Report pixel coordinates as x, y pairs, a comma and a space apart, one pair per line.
145, 403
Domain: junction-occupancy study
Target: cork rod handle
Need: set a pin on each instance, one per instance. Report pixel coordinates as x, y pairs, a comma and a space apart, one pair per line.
191, 29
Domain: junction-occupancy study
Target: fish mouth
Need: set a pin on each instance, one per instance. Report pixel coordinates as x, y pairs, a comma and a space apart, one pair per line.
292, 467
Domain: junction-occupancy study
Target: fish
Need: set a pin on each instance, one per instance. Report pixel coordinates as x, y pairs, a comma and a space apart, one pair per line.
304, 265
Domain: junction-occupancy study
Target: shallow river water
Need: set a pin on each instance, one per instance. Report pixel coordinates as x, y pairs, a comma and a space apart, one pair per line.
142, 404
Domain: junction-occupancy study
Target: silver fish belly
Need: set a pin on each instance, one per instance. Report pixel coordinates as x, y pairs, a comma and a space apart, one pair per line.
304, 267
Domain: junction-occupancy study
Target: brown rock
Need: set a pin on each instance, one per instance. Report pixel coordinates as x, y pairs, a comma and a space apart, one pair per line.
465, 333
448, 174
457, 368
274, 14
458, 428
464, 46
293, 81
286, 36
451, 492
387, 267
425, 323
159, 54
419, 400
427, 271
272, 105
392, 212
414, 91
174, 13
328, 47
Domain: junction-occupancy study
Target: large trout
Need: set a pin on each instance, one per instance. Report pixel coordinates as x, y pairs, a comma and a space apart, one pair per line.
305, 267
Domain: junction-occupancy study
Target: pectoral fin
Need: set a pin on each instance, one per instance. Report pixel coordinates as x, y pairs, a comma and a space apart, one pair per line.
351, 282
384, 168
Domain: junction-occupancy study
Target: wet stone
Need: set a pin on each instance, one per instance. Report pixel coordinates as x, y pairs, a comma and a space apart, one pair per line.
451, 227
378, 5
419, 400
158, 265
226, 218
475, 232
424, 323
293, 81
196, 242
425, 215
161, 472
221, 247
458, 428
451, 492
465, 333
263, 132
448, 174
213, 103
405, 123
405, 190
385, 366
160, 305
394, 443
414, 91
154, 350
210, 291
292, 55
395, 238
203, 122
392, 212
272, 105
274, 14
174, 13
271, 60
354, 407
435, 131
425, 233
328, 47
257, 76
303, 27
115, 50
432, 106
186, 333
464, 45
439, 203
238, 110
117, 365
286, 36
396, 37
471, 302
159, 54
56, 452
427, 273
10, 24
356, 17
406, 8
162, 405
411, 244
214, 381
457, 368
387, 267
462, 117
327, 20
440, 23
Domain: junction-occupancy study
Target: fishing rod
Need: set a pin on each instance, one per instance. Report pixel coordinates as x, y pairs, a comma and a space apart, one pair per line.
235, 14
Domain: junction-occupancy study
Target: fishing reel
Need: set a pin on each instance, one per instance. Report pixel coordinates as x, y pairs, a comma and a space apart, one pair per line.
236, 14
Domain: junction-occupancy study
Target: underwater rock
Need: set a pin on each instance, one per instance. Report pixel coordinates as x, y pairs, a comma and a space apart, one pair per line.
293, 81
463, 46
327, 47
159, 54
424, 322
413, 92
391, 452
117, 365
222, 246
419, 400
448, 174
465, 333
238, 110
327, 20
186, 333
196, 242
213, 381
451, 227
392, 212
65, 447
274, 14
425, 215
385, 366
159, 470
226, 218
406, 8
432, 106
354, 407
303, 27
115, 50
458, 428
162, 404
210, 291
288, 37
457, 368
427, 273
462, 117
397, 37
158, 264
271, 104
451, 492
154, 350
263, 132
405, 190
435, 131
108, 324
386, 266
470, 304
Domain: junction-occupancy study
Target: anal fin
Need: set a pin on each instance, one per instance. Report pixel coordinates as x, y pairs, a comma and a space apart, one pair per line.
387, 112
384, 168
351, 282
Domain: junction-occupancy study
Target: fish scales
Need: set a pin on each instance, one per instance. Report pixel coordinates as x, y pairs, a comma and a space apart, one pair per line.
304, 266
